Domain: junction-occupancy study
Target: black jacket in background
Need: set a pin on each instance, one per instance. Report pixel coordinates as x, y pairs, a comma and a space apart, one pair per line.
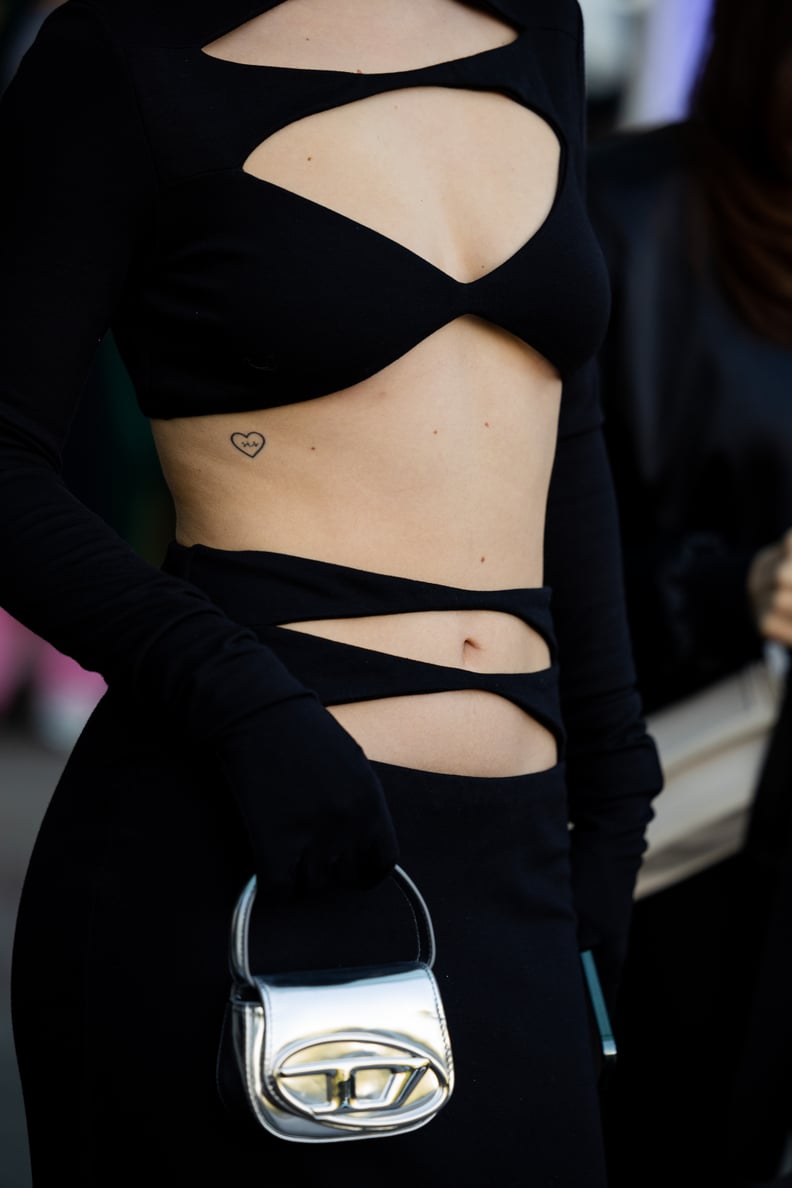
699, 430
698, 421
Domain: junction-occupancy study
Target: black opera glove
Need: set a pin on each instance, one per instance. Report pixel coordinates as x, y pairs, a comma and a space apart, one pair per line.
313, 806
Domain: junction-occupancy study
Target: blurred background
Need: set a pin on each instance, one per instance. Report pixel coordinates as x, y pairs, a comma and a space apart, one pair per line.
643, 60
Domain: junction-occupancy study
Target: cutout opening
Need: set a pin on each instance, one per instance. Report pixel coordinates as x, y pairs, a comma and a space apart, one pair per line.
308, 35
456, 194
468, 732
482, 641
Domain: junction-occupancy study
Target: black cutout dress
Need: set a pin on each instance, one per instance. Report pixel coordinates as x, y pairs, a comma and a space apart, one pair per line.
125, 205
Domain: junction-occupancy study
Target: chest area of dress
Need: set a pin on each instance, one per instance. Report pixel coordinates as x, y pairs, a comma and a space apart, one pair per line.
266, 173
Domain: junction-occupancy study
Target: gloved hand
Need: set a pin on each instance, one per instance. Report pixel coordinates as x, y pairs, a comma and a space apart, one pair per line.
312, 804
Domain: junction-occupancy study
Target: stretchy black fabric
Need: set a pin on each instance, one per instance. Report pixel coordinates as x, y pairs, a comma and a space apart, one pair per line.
300, 588
220, 297
120, 972
125, 204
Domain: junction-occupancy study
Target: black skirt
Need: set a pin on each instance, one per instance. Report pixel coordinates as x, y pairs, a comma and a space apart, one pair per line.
120, 972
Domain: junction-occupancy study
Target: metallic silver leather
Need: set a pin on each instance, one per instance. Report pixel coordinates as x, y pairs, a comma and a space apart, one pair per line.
340, 1054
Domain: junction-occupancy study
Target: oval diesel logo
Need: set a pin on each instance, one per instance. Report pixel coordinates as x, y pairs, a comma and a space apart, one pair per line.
360, 1079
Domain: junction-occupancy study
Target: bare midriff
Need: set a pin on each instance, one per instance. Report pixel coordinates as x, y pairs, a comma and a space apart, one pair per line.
437, 467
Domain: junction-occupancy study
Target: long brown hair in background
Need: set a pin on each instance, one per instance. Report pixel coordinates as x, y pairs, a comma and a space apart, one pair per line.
741, 129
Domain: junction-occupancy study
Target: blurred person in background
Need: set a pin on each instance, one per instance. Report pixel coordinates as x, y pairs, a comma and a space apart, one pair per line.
695, 219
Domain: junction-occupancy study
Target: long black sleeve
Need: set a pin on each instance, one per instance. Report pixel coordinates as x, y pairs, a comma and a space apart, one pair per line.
612, 767
78, 220
613, 771
78, 204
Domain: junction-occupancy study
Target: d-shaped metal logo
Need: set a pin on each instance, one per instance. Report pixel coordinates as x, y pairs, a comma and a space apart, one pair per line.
360, 1079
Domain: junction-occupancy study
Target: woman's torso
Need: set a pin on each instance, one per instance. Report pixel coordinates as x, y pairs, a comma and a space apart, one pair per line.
435, 465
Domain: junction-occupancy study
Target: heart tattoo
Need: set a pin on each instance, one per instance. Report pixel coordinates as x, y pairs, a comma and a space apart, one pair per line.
248, 444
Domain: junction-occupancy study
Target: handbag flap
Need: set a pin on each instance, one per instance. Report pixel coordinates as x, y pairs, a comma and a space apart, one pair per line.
360, 1048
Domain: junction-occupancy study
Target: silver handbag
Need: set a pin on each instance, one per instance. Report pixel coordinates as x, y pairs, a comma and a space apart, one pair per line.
336, 1054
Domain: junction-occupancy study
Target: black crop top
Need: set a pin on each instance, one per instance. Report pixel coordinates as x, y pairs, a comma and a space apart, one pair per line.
234, 310
228, 292
244, 295
125, 204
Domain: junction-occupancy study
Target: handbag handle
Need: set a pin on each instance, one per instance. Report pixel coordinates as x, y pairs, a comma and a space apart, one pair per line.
239, 953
